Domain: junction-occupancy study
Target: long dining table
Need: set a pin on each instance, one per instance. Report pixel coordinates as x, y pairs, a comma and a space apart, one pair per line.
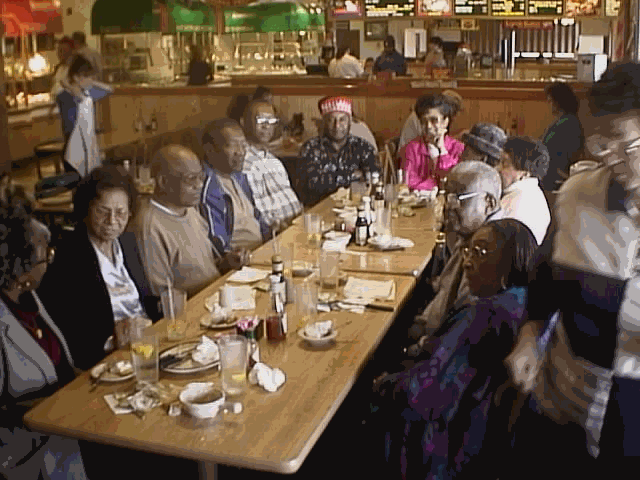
275, 431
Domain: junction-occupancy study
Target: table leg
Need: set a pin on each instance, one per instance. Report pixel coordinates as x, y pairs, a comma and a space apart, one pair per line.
208, 470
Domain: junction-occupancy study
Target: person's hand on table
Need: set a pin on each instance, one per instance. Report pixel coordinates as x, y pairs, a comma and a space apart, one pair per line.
524, 361
234, 260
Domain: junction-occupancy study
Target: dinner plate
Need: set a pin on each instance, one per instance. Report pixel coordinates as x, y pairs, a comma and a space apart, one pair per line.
248, 275
390, 243
188, 365
335, 235
206, 321
109, 376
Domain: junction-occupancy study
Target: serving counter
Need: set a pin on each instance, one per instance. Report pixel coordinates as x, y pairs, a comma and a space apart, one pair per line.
520, 107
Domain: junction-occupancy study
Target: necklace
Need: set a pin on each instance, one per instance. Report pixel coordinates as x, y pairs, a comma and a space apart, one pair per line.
34, 331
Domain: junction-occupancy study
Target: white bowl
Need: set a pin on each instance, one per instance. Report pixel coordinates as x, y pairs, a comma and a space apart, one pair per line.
195, 390
318, 342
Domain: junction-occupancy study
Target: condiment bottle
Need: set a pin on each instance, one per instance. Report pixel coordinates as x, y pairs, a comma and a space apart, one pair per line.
366, 204
254, 348
127, 166
362, 228
378, 199
277, 321
278, 280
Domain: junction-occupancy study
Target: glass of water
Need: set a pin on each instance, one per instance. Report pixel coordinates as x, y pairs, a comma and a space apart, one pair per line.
144, 353
234, 356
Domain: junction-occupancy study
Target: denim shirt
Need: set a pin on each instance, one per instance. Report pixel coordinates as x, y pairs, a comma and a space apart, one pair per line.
218, 209
68, 106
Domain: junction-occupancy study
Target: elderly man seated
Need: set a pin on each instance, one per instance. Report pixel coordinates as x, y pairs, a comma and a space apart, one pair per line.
336, 158
473, 193
234, 221
269, 181
170, 231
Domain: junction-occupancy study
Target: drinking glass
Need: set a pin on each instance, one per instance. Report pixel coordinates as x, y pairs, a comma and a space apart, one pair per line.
330, 269
306, 302
144, 174
313, 228
123, 329
144, 353
234, 355
383, 223
174, 302
358, 190
391, 197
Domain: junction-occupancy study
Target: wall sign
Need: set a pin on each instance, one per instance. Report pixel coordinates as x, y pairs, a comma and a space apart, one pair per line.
390, 8
434, 8
508, 8
545, 7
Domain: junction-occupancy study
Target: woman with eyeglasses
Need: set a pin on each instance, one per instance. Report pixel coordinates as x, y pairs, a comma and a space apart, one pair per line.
34, 357
428, 158
440, 418
97, 278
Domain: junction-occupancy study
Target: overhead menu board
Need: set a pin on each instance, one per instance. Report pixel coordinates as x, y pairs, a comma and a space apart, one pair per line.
346, 9
390, 8
508, 8
612, 8
583, 8
471, 7
434, 8
545, 7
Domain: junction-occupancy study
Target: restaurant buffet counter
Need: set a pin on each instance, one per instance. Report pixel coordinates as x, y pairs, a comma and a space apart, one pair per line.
520, 107
275, 431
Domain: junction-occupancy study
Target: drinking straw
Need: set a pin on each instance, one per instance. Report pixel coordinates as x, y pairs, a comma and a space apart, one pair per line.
171, 307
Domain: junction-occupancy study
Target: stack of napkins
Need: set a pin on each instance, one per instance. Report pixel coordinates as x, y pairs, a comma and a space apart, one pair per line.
207, 352
369, 290
271, 379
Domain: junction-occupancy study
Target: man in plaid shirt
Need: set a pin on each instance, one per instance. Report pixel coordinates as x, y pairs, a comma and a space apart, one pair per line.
268, 179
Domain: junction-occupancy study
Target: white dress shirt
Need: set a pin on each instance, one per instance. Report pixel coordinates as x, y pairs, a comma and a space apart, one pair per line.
346, 67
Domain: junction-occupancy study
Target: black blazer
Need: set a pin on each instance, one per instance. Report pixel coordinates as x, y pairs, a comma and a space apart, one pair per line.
75, 295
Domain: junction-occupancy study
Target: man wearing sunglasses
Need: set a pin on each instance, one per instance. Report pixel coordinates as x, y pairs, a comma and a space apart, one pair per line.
473, 192
587, 284
335, 158
269, 181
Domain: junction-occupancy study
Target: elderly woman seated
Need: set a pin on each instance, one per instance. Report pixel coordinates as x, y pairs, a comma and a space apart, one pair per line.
36, 360
439, 417
97, 278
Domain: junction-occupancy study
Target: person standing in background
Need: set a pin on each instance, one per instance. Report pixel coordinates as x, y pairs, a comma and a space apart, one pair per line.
61, 70
563, 138
345, 65
81, 48
200, 72
435, 55
390, 59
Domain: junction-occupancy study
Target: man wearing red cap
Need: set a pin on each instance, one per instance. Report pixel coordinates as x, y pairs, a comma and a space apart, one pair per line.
335, 158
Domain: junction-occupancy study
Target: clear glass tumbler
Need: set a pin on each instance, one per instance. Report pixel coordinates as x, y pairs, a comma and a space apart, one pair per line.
234, 357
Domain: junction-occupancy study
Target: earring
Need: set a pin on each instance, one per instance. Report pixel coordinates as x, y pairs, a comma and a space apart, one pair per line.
503, 283
26, 285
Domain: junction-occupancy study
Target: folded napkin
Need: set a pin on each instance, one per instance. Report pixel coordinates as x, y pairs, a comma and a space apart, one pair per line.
337, 245
369, 290
248, 275
318, 329
207, 352
271, 379
384, 242
238, 297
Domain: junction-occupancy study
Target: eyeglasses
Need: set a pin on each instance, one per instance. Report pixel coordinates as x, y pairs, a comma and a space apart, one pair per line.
193, 179
103, 214
476, 251
266, 120
454, 199
51, 254
599, 147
